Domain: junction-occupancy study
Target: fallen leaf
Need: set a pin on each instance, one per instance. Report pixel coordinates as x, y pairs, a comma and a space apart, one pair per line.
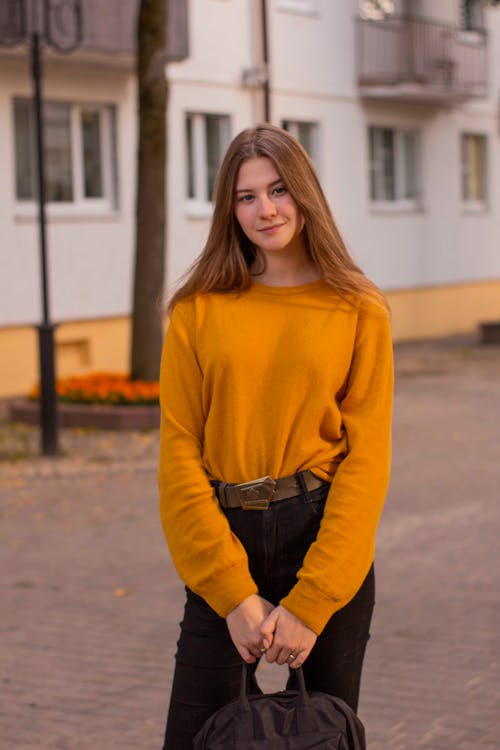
122, 592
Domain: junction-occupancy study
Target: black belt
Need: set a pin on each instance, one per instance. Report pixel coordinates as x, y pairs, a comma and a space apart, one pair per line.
260, 493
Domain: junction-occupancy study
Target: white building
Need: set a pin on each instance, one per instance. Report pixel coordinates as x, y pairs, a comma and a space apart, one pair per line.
400, 113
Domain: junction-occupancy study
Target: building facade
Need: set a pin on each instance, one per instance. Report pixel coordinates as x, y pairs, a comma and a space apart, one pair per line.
397, 102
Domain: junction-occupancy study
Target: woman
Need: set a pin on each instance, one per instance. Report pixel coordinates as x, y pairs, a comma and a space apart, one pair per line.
276, 391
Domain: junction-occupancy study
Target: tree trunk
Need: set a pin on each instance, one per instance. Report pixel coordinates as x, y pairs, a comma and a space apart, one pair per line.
147, 328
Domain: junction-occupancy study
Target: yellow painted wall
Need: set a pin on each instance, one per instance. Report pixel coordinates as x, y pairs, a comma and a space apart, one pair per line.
94, 345
433, 312
81, 347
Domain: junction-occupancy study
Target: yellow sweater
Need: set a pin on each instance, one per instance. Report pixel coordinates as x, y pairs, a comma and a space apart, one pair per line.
273, 381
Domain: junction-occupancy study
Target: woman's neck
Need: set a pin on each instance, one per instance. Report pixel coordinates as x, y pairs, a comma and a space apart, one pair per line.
283, 270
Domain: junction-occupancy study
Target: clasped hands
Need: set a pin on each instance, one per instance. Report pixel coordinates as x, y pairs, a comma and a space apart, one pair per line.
257, 627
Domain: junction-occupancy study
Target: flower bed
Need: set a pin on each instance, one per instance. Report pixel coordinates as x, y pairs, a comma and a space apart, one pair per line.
105, 388
103, 400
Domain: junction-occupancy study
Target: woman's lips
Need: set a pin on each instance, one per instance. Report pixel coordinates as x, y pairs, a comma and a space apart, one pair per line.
271, 229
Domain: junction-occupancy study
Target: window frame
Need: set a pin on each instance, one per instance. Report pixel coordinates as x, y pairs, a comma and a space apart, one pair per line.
299, 7
292, 126
199, 204
466, 22
108, 203
400, 173
474, 204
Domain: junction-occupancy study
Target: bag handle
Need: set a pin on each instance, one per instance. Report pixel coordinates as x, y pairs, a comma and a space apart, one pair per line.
305, 714
244, 682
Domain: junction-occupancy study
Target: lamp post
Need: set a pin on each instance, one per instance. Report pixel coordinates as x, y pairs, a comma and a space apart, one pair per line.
57, 24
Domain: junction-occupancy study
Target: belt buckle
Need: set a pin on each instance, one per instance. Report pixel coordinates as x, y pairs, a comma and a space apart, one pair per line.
257, 494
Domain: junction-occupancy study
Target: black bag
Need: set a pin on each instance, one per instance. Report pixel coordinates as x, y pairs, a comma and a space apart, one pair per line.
290, 719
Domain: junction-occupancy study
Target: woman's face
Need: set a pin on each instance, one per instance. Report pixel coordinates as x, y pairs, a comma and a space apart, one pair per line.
265, 210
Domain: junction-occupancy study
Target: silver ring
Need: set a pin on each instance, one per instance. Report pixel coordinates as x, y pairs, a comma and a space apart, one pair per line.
291, 656
262, 650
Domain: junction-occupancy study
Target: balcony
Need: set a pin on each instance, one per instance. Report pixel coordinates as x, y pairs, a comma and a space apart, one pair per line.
411, 59
109, 29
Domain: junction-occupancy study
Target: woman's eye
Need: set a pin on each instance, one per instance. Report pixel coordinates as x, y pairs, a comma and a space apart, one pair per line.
245, 198
280, 190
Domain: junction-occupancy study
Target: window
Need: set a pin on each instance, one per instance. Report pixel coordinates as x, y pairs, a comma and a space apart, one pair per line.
306, 133
80, 153
473, 15
393, 161
474, 168
207, 137
376, 10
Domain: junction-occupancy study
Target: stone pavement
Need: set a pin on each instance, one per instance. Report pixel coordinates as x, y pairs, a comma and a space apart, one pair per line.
90, 602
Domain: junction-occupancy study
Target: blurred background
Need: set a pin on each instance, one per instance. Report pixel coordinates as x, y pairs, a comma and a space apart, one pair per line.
396, 101
398, 104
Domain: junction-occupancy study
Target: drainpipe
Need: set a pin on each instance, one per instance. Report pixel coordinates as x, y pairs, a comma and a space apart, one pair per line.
265, 61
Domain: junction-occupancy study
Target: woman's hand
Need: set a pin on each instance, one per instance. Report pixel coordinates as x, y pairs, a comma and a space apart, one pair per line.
244, 625
286, 635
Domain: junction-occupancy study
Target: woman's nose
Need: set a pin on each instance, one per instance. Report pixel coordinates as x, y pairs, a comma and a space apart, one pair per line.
267, 206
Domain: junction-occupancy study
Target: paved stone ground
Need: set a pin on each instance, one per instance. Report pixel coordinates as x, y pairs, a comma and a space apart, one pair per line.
90, 603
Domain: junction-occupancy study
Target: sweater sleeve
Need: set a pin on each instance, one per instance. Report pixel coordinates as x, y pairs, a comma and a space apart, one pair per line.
339, 560
207, 555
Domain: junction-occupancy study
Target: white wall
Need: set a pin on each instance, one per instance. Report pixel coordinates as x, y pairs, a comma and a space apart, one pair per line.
313, 78
441, 242
89, 253
19, 288
313, 55
221, 42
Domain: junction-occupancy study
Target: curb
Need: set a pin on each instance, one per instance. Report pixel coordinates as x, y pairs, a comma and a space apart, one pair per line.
61, 468
89, 415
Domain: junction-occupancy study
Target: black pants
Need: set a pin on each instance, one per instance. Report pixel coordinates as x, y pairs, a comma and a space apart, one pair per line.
208, 666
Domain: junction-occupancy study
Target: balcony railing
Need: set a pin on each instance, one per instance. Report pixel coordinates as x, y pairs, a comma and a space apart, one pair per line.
411, 58
109, 27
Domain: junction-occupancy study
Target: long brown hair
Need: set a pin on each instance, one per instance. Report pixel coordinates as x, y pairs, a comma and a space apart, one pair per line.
224, 263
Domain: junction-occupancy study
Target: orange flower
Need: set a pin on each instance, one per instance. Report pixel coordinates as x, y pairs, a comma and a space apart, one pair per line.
104, 388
